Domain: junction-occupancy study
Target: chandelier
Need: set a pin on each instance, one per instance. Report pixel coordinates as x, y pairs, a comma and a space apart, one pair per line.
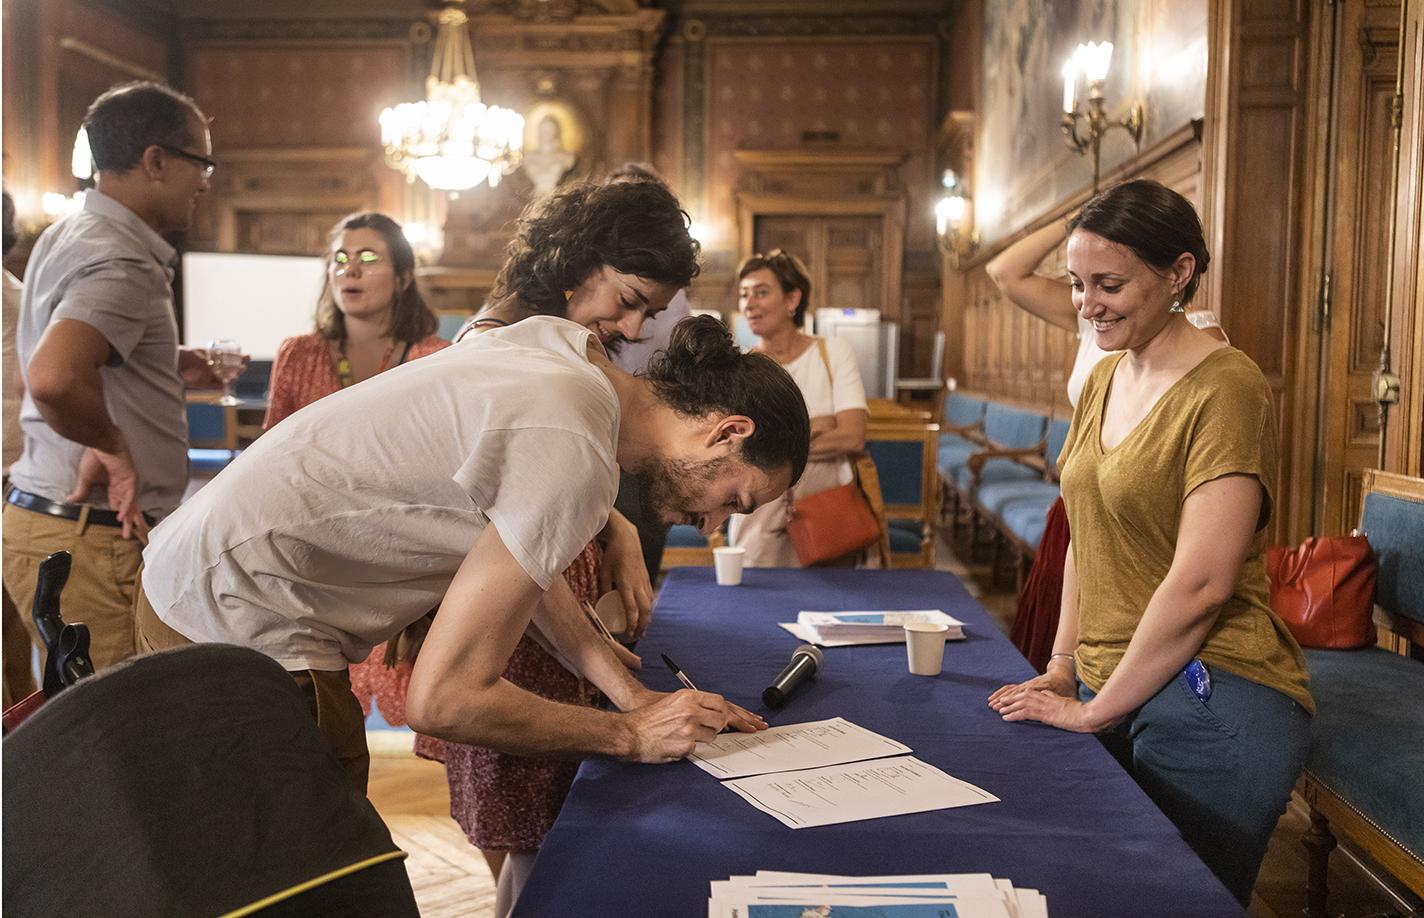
451, 140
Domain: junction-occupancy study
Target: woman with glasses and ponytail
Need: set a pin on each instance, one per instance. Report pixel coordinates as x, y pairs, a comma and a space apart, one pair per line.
369, 318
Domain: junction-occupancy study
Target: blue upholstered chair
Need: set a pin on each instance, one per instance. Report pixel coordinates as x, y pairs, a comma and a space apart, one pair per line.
686, 547
961, 433
904, 456
1362, 775
1013, 453
451, 321
212, 433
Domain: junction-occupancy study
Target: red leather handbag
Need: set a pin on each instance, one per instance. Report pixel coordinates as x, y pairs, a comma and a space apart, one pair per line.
833, 523
1325, 591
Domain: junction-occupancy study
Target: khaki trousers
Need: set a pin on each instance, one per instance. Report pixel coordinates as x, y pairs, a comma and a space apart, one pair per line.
19, 677
329, 697
102, 578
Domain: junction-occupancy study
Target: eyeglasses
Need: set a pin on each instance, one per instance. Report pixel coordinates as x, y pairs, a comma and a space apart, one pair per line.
365, 258
205, 165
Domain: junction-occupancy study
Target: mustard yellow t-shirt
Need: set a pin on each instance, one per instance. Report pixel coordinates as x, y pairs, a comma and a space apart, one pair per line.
1124, 506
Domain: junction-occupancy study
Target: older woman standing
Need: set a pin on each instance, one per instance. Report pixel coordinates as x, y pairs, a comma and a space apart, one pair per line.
773, 293
1167, 647
369, 318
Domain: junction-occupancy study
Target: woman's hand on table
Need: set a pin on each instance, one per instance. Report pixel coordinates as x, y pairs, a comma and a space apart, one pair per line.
1058, 680
624, 570
1050, 699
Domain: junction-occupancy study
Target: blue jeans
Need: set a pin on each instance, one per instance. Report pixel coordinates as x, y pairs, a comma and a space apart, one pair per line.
1222, 770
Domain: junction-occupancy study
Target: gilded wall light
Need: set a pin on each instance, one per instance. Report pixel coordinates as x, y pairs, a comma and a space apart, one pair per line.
1091, 62
954, 222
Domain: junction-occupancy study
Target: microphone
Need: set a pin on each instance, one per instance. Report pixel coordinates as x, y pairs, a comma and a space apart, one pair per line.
805, 663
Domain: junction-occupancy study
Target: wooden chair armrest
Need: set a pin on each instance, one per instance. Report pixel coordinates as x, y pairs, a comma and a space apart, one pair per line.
979, 457
964, 430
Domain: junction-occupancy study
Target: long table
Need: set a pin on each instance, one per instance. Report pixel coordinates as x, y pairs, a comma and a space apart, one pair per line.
646, 839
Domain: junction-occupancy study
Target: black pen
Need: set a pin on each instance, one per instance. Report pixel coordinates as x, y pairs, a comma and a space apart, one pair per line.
681, 676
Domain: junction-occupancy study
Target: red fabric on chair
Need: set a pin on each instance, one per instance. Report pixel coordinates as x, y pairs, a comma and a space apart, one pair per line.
1036, 622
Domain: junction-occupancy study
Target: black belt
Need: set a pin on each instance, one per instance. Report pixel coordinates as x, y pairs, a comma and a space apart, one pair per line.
36, 504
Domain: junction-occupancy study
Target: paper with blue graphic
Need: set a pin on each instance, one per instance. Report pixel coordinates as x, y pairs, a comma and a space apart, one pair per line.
772, 894
841, 629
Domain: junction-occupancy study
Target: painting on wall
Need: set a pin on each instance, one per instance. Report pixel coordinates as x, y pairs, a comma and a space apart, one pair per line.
1023, 166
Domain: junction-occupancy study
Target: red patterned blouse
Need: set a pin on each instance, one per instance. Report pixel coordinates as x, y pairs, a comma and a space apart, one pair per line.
303, 372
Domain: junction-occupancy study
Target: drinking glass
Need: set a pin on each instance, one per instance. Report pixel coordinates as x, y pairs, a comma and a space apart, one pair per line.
225, 357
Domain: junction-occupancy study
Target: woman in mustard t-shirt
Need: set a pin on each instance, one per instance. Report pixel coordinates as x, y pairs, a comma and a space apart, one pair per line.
1167, 647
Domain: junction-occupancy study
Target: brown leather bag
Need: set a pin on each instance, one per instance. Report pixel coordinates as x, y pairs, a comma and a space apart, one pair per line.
833, 523
1325, 591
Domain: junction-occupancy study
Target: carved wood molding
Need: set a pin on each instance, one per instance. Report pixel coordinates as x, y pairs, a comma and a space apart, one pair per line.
445, 278
850, 161
890, 210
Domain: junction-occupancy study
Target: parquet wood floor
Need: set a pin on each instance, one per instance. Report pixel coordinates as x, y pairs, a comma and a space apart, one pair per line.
447, 872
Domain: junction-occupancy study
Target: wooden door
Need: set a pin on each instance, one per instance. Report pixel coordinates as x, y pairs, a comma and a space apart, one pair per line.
1352, 314
845, 256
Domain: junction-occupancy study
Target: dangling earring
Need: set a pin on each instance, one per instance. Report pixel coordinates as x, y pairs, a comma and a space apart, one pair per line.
1177, 305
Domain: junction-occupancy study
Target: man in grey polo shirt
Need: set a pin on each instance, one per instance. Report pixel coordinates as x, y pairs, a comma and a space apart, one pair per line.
104, 418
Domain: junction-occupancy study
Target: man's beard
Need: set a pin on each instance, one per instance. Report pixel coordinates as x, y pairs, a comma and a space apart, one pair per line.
673, 487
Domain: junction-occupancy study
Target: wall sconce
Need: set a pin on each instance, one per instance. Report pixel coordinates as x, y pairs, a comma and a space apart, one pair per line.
1091, 60
953, 220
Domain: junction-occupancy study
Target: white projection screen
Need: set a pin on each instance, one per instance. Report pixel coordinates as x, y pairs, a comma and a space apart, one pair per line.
256, 299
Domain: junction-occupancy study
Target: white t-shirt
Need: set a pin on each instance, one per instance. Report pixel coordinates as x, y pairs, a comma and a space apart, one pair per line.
348, 520
823, 396
1088, 356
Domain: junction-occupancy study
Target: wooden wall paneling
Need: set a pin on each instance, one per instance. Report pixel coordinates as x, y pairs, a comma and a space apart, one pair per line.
60, 55
668, 94
1366, 53
1404, 440
1007, 352
829, 185
858, 93
1253, 175
285, 201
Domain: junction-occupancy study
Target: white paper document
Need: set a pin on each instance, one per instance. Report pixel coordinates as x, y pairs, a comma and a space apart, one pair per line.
771, 894
794, 746
862, 790
845, 629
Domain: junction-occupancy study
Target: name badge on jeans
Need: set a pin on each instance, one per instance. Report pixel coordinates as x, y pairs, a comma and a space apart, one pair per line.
1198, 679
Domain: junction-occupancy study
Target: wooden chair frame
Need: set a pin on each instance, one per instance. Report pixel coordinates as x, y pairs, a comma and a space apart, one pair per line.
229, 439
926, 511
1329, 813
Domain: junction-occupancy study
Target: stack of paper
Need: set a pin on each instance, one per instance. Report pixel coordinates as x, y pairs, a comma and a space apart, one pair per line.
771, 894
828, 772
842, 629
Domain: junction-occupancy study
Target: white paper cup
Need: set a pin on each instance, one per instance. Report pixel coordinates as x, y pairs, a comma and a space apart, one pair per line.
924, 644
611, 612
728, 562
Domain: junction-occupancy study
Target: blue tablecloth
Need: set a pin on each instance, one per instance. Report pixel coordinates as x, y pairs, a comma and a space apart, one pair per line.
646, 839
